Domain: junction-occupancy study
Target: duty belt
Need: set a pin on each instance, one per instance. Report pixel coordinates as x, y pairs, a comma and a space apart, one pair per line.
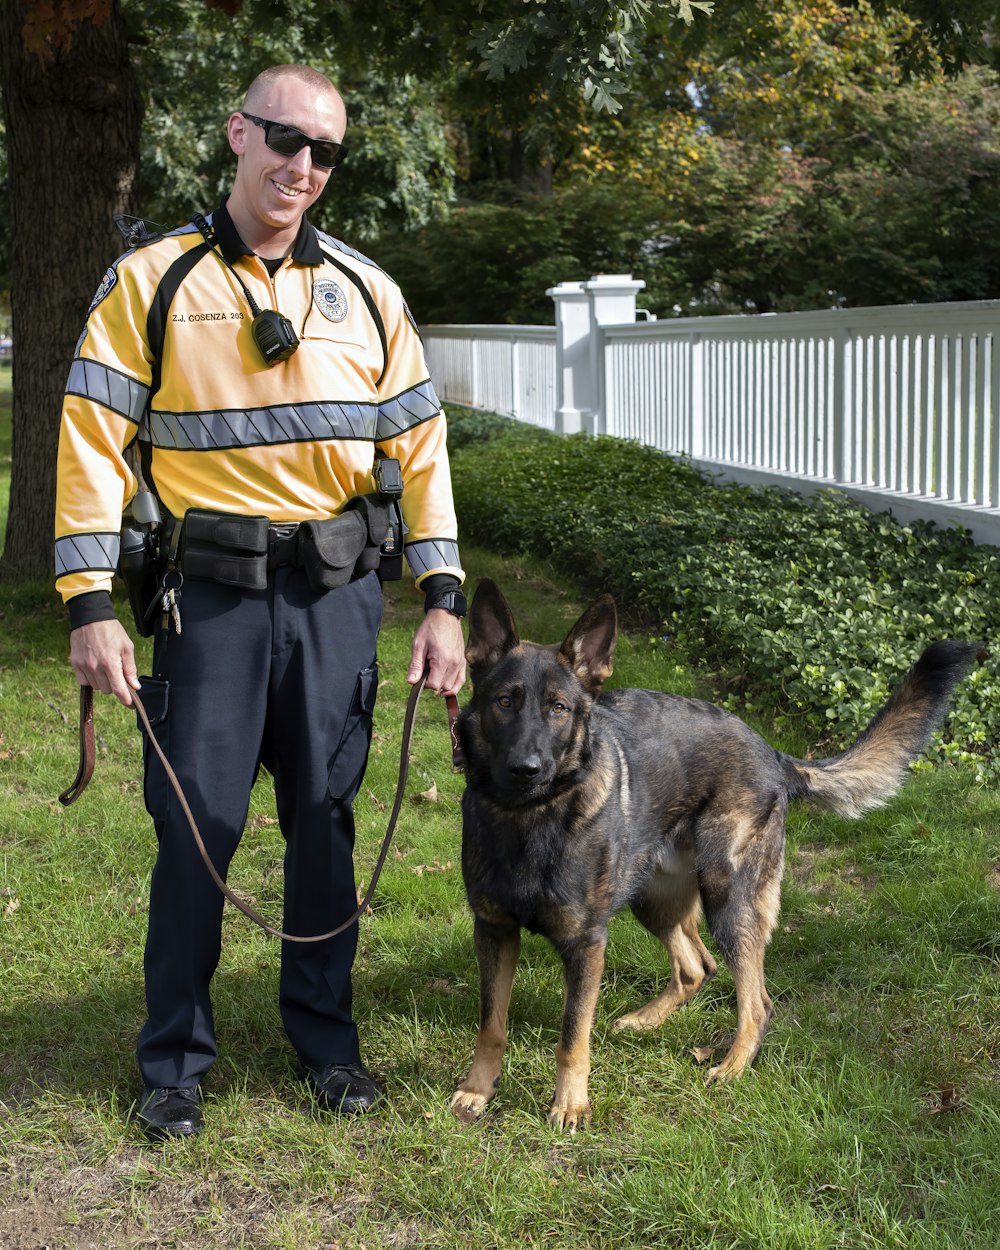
240, 550
283, 545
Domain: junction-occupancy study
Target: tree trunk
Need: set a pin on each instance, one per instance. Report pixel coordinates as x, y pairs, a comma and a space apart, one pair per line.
72, 131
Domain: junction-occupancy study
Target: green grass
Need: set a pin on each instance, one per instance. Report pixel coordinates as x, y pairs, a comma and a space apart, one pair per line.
871, 1119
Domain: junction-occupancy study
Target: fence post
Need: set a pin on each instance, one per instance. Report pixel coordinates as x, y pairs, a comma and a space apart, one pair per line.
696, 397
574, 398
843, 401
612, 302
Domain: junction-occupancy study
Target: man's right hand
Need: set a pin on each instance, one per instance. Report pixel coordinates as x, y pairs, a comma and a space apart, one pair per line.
102, 656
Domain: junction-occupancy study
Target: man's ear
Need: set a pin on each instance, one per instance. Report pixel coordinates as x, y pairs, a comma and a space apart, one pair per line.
236, 132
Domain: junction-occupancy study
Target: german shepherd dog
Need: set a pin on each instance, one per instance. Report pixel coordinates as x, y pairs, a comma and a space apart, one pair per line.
579, 802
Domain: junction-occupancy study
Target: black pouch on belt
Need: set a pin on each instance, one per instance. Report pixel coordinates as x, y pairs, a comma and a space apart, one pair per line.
225, 547
329, 549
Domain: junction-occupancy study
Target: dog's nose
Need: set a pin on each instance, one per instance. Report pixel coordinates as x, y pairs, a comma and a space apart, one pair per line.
527, 767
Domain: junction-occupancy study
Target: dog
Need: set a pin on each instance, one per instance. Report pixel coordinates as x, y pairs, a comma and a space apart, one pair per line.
578, 803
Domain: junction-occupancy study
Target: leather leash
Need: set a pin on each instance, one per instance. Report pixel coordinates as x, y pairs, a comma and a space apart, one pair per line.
86, 770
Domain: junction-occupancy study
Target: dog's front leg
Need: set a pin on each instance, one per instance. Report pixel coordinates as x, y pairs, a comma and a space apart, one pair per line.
583, 968
497, 949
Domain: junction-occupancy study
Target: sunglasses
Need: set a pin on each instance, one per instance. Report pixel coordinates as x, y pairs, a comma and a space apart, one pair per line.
287, 140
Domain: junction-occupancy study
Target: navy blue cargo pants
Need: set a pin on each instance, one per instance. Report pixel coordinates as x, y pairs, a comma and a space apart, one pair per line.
284, 678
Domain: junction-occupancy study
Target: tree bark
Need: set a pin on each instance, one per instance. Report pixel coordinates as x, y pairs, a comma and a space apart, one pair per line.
72, 132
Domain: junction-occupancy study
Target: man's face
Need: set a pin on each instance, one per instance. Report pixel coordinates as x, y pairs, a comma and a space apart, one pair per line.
274, 190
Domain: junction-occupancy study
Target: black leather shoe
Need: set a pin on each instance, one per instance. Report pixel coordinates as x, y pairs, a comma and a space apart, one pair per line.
344, 1088
169, 1112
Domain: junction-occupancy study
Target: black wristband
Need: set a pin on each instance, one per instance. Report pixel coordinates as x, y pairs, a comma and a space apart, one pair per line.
452, 601
92, 605
434, 586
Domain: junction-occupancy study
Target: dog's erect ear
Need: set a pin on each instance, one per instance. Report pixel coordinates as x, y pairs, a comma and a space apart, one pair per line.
492, 632
590, 645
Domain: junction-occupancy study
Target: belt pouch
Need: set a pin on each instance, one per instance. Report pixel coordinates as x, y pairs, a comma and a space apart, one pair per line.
225, 547
137, 568
329, 549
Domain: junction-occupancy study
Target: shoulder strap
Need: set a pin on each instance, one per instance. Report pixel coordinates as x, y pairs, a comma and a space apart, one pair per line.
366, 295
156, 332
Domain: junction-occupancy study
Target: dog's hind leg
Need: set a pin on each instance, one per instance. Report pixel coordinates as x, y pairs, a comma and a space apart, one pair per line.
741, 899
583, 968
669, 908
497, 950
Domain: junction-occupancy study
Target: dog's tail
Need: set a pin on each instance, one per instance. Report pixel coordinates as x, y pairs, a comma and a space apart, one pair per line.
870, 772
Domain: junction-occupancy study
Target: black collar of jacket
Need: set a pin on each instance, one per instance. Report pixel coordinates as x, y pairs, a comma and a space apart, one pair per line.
306, 250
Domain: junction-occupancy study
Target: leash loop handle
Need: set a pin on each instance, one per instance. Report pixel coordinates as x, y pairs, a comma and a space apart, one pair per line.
88, 751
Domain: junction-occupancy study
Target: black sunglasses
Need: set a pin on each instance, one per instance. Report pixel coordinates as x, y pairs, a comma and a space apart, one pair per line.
287, 140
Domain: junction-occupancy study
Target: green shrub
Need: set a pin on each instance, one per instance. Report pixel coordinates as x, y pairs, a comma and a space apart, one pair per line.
814, 607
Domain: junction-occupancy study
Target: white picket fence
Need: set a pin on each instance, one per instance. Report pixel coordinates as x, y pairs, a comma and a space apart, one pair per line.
898, 406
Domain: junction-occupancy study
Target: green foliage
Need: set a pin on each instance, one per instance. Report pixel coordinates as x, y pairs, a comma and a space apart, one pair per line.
491, 263
194, 63
814, 607
793, 159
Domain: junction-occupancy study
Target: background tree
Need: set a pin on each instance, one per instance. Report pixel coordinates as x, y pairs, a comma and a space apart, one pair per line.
71, 117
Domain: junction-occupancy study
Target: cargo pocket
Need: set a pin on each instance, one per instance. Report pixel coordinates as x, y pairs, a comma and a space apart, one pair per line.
155, 696
349, 760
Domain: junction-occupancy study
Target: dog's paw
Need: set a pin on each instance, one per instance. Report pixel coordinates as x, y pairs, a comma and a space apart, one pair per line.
467, 1106
728, 1070
567, 1119
640, 1021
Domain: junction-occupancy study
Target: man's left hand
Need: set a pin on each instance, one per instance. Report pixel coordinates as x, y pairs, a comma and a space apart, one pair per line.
439, 648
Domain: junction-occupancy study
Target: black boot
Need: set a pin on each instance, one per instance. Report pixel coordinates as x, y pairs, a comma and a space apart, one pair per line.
170, 1112
344, 1088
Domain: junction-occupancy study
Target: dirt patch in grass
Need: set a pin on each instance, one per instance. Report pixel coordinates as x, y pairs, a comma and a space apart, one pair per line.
101, 1208
809, 865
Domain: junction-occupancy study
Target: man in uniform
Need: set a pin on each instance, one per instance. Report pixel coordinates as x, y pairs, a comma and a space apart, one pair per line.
253, 427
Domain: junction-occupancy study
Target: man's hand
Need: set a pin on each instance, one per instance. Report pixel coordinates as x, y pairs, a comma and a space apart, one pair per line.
439, 647
102, 656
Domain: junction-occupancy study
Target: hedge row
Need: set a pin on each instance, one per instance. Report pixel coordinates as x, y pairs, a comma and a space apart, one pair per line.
812, 607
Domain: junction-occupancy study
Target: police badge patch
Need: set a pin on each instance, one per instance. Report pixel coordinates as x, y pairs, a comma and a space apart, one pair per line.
107, 282
330, 299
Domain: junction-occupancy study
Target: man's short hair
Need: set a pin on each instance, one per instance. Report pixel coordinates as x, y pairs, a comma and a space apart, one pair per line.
304, 74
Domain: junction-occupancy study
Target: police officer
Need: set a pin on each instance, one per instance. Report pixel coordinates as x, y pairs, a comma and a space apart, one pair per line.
263, 367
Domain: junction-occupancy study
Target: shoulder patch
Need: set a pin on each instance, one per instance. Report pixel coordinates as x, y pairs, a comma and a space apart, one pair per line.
409, 318
107, 282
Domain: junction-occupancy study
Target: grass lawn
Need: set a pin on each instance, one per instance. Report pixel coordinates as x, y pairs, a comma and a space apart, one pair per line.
870, 1119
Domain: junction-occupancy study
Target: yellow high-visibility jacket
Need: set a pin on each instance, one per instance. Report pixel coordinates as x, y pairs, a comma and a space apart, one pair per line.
167, 357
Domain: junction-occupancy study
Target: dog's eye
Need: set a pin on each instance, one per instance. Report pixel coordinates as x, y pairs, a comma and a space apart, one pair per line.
503, 700
558, 709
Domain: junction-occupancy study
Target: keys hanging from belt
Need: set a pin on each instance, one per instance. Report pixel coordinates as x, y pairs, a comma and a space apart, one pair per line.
171, 603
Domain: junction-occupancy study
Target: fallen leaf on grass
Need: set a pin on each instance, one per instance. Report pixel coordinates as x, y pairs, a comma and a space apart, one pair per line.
13, 903
376, 801
427, 796
702, 1054
419, 869
948, 1099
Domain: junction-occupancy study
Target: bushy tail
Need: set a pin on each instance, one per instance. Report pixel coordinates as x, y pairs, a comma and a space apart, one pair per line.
870, 772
